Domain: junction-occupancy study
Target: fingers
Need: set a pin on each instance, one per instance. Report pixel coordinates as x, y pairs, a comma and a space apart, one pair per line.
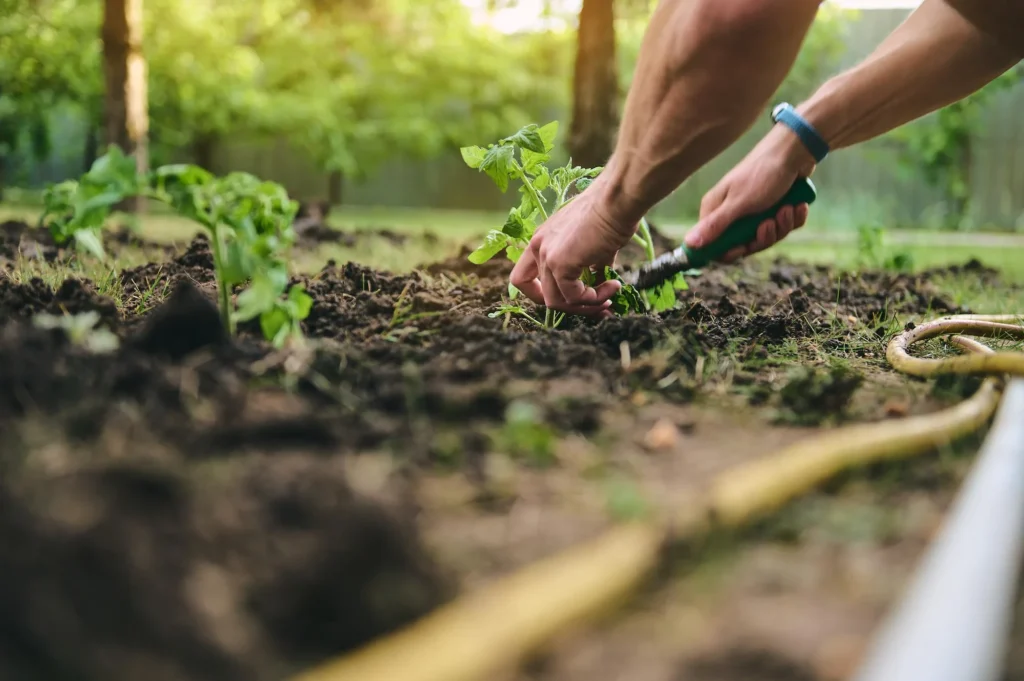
785, 222
712, 225
802, 211
574, 292
525, 274
565, 293
770, 232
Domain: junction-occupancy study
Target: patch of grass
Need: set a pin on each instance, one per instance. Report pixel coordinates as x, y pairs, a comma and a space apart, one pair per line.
1009, 260
104, 276
812, 395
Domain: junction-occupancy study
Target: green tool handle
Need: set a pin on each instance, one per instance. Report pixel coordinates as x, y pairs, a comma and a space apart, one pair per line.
744, 230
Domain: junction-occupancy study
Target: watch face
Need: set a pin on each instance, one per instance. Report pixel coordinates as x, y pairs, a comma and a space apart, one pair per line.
777, 110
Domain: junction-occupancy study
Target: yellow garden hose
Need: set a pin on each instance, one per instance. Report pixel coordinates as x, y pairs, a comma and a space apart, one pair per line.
496, 627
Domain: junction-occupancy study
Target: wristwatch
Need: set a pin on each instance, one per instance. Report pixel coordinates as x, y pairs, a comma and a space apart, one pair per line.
786, 115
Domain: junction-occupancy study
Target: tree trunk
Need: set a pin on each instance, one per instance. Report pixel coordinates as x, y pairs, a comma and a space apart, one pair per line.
92, 147
335, 187
595, 113
126, 120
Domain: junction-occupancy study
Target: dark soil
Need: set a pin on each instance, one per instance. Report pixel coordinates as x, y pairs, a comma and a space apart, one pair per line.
179, 508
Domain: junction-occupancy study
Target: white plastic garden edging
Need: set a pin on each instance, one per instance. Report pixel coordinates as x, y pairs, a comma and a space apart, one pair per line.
955, 619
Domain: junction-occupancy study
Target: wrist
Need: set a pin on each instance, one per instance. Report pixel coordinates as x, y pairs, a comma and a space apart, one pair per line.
826, 110
811, 140
614, 201
789, 150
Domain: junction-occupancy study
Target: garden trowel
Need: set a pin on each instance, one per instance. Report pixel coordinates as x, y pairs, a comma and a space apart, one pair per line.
739, 233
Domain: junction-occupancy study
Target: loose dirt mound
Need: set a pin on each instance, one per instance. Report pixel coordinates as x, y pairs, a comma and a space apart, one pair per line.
135, 550
179, 508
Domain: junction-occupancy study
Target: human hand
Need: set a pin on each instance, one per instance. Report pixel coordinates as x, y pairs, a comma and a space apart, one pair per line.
582, 235
758, 182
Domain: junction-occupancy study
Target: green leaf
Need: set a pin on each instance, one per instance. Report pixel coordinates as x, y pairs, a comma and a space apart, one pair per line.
548, 133
513, 292
528, 138
626, 299
260, 297
104, 200
533, 162
185, 173
301, 301
515, 250
679, 283
498, 165
113, 168
473, 156
90, 241
507, 309
272, 322
514, 225
236, 263
493, 243
542, 180
662, 297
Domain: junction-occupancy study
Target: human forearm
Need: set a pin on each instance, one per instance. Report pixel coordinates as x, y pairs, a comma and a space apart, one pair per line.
934, 58
706, 71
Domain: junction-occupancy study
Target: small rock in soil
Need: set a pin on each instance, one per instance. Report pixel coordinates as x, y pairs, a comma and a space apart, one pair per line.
664, 435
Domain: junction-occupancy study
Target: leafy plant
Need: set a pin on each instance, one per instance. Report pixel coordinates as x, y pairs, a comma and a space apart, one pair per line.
870, 244
871, 251
524, 157
939, 147
526, 436
249, 222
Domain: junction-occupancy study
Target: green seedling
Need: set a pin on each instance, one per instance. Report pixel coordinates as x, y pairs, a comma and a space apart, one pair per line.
526, 436
524, 157
625, 501
249, 223
81, 330
871, 251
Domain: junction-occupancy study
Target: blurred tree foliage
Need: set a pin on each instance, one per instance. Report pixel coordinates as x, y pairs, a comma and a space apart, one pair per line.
938, 147
352, 81
42, 64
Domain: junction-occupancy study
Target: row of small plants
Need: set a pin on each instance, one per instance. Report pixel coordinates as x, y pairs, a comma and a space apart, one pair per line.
250, 226
524, 157
249, 223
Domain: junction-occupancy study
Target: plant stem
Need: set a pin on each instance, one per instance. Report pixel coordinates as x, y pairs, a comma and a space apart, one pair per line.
549, 318
646, 241
530, 188
223, 291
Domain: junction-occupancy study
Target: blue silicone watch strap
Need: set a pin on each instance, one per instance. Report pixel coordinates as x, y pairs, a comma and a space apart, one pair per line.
811, 138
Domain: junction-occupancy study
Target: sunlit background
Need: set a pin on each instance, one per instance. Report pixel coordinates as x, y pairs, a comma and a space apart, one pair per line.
365, 103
